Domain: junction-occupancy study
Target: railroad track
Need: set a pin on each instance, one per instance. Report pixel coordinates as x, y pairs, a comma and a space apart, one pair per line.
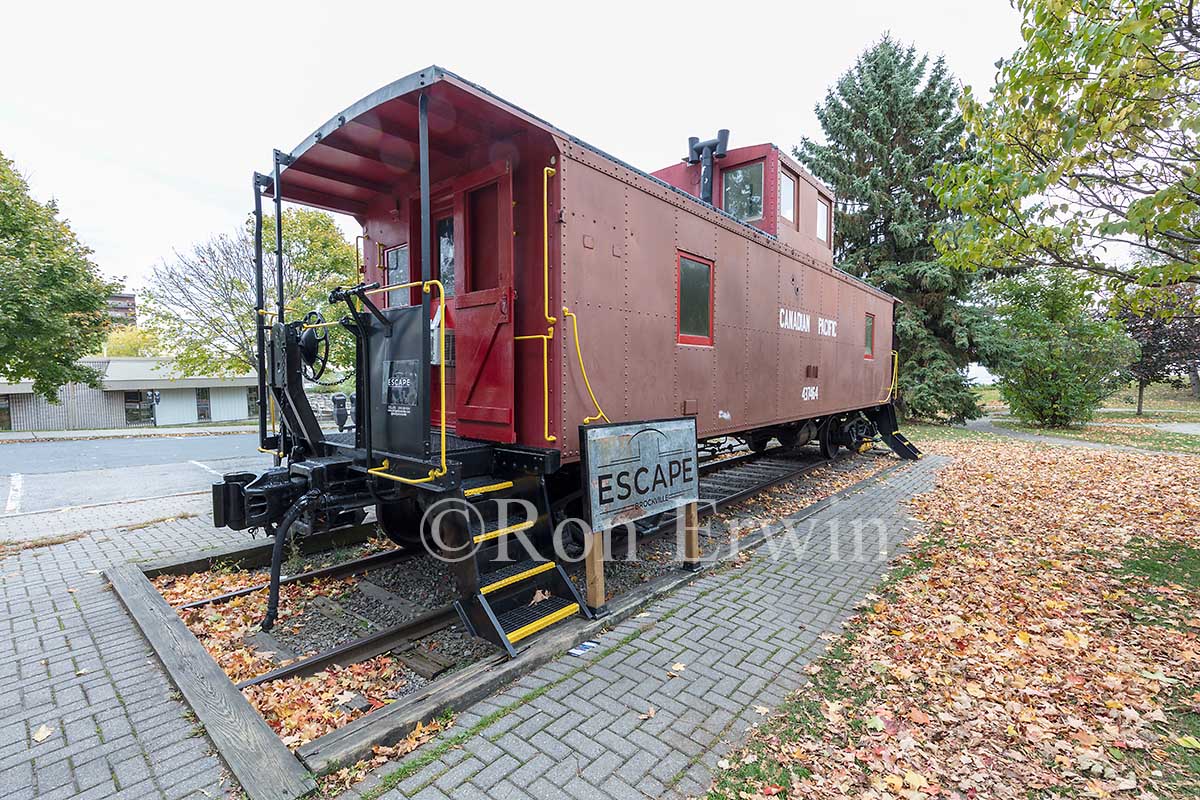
724, 481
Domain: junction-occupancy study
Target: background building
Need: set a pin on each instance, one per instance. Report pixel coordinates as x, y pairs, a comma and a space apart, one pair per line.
125, 399
123, 308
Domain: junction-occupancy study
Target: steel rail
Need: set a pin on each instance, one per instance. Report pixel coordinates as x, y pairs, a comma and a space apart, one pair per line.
363, 564
361, 649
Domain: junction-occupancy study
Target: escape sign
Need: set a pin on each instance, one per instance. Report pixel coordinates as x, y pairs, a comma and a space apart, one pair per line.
637, 469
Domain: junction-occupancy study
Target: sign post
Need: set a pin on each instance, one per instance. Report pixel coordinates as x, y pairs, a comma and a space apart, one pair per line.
634, 470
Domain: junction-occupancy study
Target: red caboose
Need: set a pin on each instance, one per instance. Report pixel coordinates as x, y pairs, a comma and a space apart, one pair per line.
519, 284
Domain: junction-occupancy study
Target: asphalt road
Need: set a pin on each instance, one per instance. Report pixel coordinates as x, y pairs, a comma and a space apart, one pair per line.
37, 476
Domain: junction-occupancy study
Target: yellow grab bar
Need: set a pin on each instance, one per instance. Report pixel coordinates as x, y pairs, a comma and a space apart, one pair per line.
321, 325
395, 286
546, 338
546, 173
437, 472
583, 371
891, 390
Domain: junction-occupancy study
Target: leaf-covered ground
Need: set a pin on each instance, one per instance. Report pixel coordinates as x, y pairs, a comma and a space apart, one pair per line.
298, 709
1040, 641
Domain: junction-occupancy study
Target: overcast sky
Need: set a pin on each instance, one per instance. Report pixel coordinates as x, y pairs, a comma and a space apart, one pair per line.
146, 124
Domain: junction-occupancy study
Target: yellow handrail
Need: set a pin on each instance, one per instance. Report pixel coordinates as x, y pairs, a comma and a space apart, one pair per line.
307, 326
583, 371
891, 390
270, 400
546, 173
546, 338
437, 472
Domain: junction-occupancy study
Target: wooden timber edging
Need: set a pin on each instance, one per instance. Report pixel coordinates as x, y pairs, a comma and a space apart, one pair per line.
247, 556
253, 752
458, 691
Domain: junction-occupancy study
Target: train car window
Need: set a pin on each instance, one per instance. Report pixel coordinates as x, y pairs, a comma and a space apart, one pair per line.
695, 300
396, 261
787, 196
869, 344
483, 231
444, 240
742, 192
823, 219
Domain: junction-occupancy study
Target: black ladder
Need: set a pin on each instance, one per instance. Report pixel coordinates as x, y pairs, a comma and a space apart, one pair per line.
884, 417
518, 591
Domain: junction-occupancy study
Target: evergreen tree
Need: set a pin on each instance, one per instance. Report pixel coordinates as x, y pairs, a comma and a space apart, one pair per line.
889, 122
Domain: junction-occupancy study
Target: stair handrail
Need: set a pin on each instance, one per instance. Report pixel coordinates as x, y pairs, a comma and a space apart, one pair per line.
583, 371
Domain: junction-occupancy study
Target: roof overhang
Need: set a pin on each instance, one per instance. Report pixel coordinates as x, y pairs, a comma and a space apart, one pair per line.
371, 148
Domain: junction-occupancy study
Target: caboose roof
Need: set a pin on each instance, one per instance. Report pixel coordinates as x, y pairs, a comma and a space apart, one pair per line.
370, 148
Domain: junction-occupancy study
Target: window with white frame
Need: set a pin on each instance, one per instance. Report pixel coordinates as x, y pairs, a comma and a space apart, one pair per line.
787, 196
742, 192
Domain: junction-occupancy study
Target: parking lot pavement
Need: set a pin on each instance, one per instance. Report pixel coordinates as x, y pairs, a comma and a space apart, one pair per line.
38, 476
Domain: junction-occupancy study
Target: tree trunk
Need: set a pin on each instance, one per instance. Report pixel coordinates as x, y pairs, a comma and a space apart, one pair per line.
1141, 395
1194, 377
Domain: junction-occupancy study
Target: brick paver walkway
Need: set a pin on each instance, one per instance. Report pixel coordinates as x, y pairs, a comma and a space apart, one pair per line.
112, 517
71, 659
744, 637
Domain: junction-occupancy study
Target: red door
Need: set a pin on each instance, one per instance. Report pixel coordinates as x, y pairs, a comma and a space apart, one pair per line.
483, 307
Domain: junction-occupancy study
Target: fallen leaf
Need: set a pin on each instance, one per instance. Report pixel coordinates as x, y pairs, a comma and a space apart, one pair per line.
918, 716
42, 733
762, 710
650, 712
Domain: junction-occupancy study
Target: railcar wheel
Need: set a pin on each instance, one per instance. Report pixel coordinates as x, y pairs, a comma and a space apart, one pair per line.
826, 440
401, 522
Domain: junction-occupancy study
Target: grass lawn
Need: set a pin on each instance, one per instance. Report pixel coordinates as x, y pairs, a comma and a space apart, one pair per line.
1158, 396
1142, 436
1041, 639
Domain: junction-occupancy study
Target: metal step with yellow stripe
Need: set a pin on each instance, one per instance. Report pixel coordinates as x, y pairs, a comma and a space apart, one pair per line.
528, 620
513, 574
480, 491
496, 534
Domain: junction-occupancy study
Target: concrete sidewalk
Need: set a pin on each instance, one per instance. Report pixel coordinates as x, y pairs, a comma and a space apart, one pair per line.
125, 433
988, 425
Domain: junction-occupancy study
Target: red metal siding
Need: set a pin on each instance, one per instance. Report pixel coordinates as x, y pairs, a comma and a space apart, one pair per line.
754, 373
